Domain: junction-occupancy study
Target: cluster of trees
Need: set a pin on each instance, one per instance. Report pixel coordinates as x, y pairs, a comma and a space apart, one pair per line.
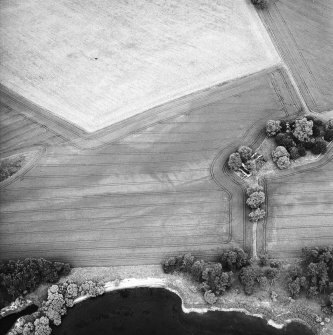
241, 159
261, 276
9, 166
294, 138
59, 298
314, 275
256, 197
22, 276
280, 157
215, 277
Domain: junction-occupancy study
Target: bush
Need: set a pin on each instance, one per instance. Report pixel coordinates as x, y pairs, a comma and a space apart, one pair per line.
283, 125
329, 124
308, 145
320, 147
255, 199
272, 273
256, 215
294, 153
279, 138
288, 143
279, 152
303, 129
317, 122
245, 153
235, 161
328, 135
316, 131
261, 4
9, 166
272, 127
263, 259
301, 151
283, 162
310, 118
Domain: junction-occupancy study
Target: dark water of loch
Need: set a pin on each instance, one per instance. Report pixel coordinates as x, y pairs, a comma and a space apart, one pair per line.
145, 311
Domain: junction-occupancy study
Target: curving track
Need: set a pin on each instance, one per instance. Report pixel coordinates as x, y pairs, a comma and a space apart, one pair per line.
147, 195
302, 31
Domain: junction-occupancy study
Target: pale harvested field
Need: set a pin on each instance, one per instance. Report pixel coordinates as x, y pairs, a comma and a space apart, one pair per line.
95, 63
303, 30
300, 210
146, 196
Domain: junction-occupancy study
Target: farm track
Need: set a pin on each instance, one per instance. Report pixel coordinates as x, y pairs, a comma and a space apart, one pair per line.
302, 32
149, 194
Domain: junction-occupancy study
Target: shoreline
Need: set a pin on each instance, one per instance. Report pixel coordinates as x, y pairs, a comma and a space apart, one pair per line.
131, 283
278, 313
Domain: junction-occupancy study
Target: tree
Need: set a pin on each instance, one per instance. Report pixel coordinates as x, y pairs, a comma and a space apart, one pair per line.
42, 326
272, 127
279, 152
328, 135
234, 258
197, 269
256, 215
245, 153
235, 161
187, 262
256, 199
210, 297
248, 276
91, 288
28, 329
253, 189
320, 147
303, 129
251, 165
283, 162
215, 280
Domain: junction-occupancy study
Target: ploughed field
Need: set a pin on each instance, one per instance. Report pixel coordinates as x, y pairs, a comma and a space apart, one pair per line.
300, 210
96, 63
303, 30
148, 195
